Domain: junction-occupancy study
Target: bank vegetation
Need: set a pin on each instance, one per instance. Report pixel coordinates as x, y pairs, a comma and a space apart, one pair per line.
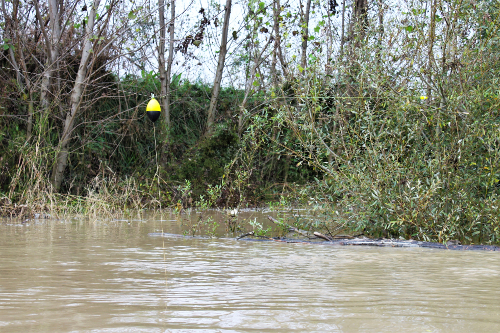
381, 116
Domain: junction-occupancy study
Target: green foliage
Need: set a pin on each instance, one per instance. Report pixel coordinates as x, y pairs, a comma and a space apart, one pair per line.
396, 164
116, 141
258, 228
399, 136
204, 163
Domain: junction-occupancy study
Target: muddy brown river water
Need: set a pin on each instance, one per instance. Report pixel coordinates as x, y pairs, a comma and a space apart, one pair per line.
75, 275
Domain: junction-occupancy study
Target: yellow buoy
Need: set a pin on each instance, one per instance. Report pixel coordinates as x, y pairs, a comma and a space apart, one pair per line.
153, 110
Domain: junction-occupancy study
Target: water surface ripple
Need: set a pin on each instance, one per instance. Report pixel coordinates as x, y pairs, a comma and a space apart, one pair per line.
75, 276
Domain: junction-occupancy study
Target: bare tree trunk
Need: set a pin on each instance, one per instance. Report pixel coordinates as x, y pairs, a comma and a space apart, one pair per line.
161, 62
29, 93
46, 77
169, 61
274, 74
305, 32
220, 69
284, 65
165, 74
445, 42
9, 33
277, 41
52, 50
329, 44
76, 99
277, 54
380, 31
53, 55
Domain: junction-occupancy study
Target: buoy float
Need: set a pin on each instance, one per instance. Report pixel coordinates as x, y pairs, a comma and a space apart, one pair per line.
153, 110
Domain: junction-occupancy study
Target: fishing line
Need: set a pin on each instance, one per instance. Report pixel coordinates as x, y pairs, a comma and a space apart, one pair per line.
157, 176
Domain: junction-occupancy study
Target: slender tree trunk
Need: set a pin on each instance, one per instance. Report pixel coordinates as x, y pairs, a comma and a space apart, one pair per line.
9, 35
277, 41
76, 99
380, 31
52, 51
329, 43
53, 55
444, 45
220, 69
161, 63
169, 61
284, 65
29, 93
305, 33
44, 93
274, 74
165, 74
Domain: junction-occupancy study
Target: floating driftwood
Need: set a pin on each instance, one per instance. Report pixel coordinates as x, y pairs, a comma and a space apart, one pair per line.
379, 242
384, 242
320, 235
168, 235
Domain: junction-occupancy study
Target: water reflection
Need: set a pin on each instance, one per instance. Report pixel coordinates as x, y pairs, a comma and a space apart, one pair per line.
110, 276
